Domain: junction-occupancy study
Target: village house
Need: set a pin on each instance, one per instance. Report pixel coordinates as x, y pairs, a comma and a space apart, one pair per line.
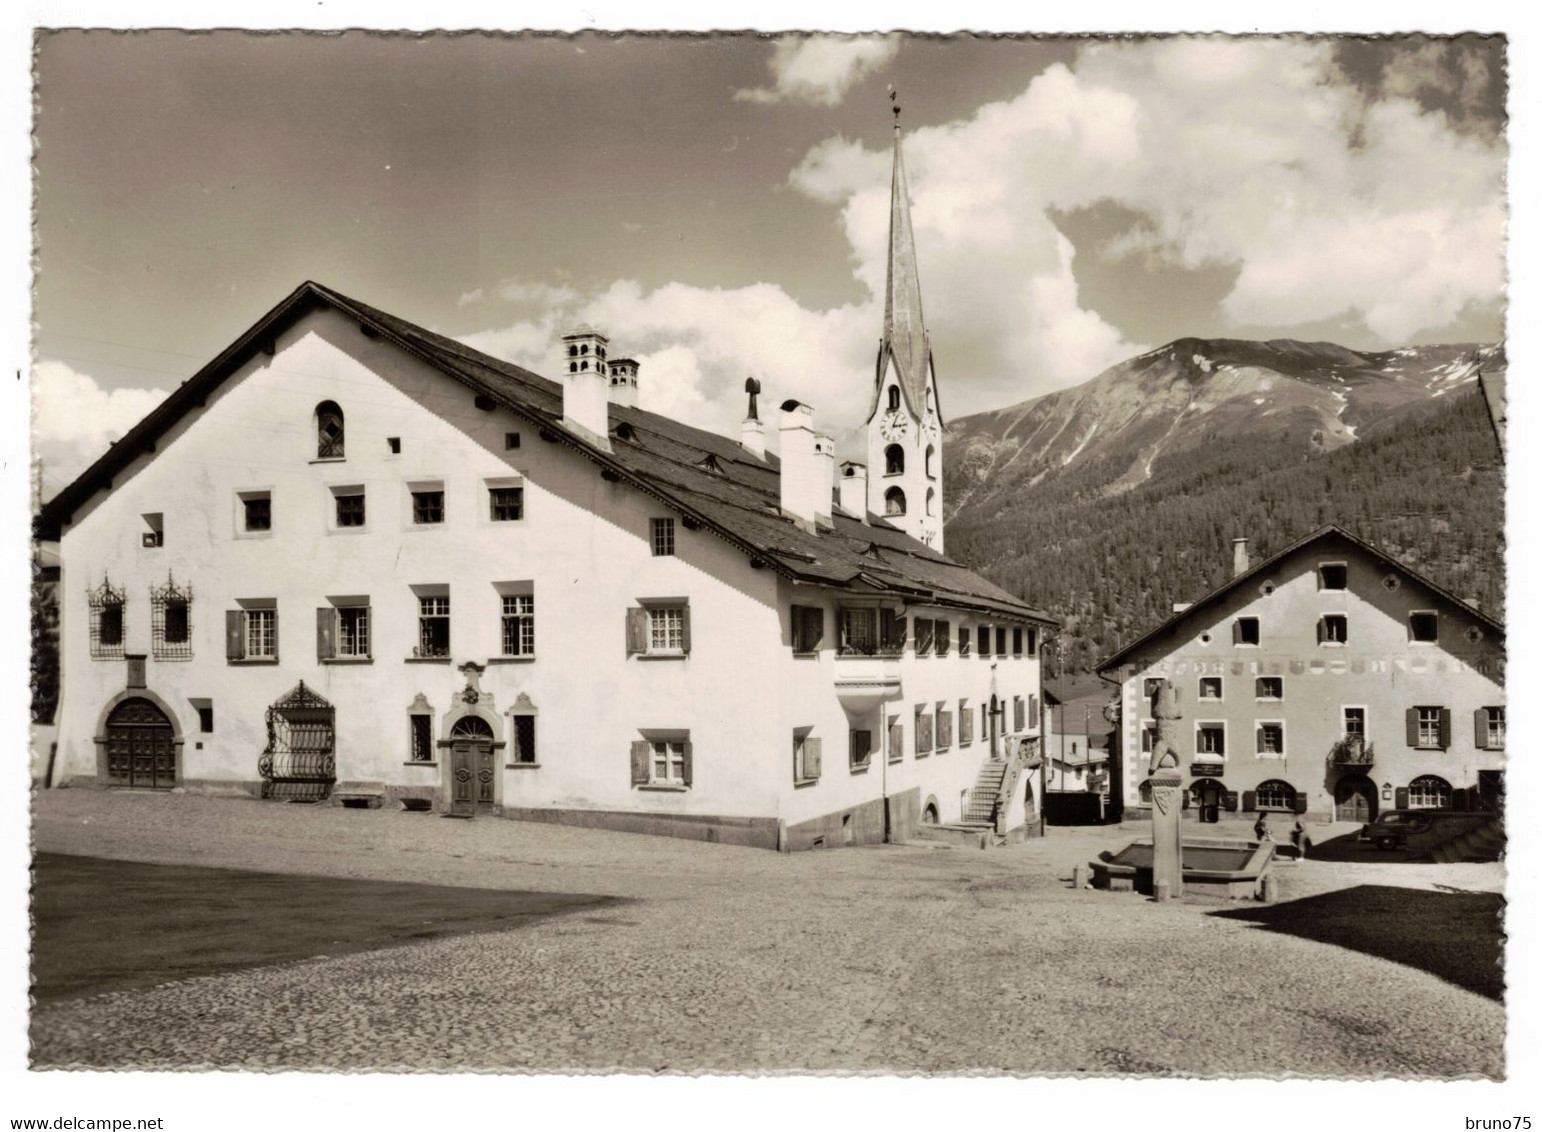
1329, 680
351, 558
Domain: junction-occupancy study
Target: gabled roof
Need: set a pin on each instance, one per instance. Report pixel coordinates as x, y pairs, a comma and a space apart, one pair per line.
708, 479
1267, 564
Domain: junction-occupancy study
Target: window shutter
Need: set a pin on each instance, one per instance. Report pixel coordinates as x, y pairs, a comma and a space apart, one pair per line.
235, 634
636, 631
275, 634
685, 628
1411, 718
900, 629
1249, 801
641, 752
1480, 729
685, 768
1445, 729
896, 740
1460, 799
1034, 719
1236, 631
814, 631
1322, 630
1229, 801
813, 754
1300, 801
1258, 741
1400, 798
326, 632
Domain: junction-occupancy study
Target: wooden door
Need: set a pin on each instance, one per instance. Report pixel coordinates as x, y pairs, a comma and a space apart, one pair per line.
1354, 800
141, 750
463, 787
485, 772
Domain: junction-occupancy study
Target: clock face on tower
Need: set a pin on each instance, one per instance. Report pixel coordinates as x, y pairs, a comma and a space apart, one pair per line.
893, 426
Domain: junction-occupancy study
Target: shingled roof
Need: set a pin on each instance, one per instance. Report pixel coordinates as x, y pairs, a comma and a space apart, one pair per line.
710, 480
1268, 564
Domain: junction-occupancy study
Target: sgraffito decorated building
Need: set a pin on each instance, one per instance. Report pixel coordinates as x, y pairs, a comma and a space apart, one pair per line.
351, 557
1328, 680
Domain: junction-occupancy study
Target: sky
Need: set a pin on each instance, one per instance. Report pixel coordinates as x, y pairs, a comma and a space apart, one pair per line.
718, 204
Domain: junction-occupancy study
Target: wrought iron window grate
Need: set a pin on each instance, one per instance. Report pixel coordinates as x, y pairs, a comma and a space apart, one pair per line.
300, 759
106, 604
329, 430
171, 621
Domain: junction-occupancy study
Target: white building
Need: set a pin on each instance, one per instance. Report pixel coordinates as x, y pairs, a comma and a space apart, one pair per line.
353, 557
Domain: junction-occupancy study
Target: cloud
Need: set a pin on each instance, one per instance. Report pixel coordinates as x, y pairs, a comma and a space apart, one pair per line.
1324, 202
820, 69
470, 298
74, 418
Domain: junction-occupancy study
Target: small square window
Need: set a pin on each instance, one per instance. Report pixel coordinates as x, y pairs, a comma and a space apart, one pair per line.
861, 749
1423, 626
1333, 576
1210, 739
433, 627
428, 506
206, 719
350, 510
1271, 739
506, 504
1354, 723
663, 537
258, 512
1150, 685
1210, 687
1333, 629
353, 631
524, 739
1269, 688
394, 443
511, 440
1245, 631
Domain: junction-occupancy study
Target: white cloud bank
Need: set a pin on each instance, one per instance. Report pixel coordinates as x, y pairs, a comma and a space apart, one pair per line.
74, 419
1254, 155
820, 69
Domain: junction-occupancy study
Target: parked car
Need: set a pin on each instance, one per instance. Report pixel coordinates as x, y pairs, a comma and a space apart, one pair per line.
1394, 828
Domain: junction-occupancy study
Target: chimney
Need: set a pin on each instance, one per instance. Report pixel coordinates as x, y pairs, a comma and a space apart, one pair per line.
1181, 606
585, 384
824, 478
752, 433
799, 470
1239, 557
623, 382
854, 489
1474, 602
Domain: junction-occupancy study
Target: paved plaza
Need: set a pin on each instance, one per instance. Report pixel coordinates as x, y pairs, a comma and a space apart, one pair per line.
893, 959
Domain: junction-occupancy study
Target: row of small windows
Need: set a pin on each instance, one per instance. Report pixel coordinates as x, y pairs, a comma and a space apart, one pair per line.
894, 461
1426, 792
505, 504
1425, 728
1333, 629
171, 620
330, 433
894, 502
866, 631
421, 745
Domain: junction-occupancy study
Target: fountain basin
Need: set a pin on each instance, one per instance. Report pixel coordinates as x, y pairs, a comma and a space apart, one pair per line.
1212, 867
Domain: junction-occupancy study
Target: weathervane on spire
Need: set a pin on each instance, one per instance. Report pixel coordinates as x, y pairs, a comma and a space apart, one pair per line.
893, 95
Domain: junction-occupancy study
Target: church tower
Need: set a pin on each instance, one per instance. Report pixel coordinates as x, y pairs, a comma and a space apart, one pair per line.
904, 425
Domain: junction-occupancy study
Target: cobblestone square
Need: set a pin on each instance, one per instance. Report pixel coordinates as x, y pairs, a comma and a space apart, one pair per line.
894, 959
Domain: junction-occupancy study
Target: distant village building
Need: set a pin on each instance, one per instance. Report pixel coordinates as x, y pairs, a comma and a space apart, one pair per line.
1328, 680
354, 558
1076, 762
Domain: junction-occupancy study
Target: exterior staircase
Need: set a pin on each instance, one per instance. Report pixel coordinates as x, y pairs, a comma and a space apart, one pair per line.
981, 807
1485, 843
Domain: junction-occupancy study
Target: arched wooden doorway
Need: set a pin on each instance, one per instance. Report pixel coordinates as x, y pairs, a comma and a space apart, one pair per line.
1354, 799
141, 746
472, 773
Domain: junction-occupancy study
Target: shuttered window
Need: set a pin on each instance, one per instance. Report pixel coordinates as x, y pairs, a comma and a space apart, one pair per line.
944, 727
923, 731
896, 739
808, 628
861, 749
1270, 740
1429, 727
941, 637
662, 761
924, 629
965, 723
1489, 729
658, 630
807, 757
963, 640
1018, 719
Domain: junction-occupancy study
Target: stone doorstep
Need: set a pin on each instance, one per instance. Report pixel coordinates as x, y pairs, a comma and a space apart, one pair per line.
359, 795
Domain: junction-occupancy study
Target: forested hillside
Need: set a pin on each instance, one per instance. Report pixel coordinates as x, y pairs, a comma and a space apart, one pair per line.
1110, 559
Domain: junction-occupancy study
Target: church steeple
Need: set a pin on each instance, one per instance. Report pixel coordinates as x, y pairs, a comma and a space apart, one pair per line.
904, 331
904, 425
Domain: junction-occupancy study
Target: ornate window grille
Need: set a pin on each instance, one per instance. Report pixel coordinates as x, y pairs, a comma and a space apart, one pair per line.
106, 604
1427, 792
329, 431
171, 621
1276, 795
299, 761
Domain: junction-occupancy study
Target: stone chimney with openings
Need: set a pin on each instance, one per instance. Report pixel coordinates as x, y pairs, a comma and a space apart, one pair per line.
586, 384
623, 382
824, 478
800, 471
854, 489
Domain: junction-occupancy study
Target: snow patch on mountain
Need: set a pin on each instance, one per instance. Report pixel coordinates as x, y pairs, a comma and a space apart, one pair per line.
1202, 362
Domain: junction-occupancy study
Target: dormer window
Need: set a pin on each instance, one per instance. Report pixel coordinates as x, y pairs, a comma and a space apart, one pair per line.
329, 431
893, 460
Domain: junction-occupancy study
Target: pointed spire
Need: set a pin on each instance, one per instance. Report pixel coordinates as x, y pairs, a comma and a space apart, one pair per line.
904, 332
